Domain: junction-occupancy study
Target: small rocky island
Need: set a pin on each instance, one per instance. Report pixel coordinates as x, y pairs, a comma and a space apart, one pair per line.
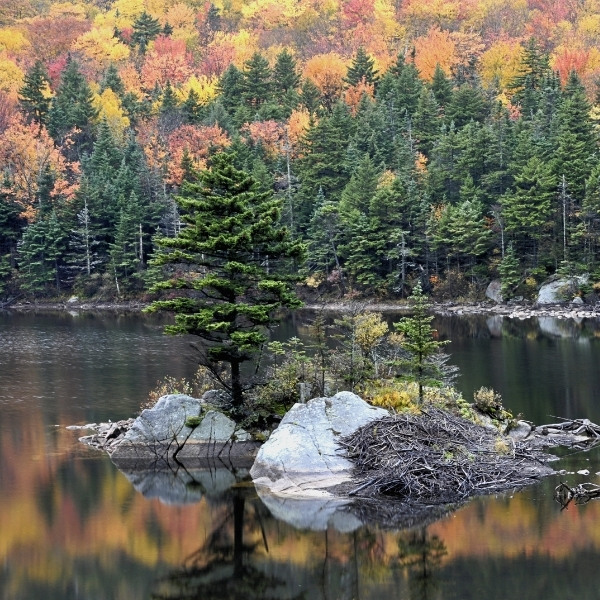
337, 459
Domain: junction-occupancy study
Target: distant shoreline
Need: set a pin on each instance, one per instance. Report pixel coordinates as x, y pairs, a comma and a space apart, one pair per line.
513, 311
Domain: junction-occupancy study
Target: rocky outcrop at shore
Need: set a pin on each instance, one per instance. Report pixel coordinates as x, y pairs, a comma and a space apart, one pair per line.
310, 473
572, 310
179, 429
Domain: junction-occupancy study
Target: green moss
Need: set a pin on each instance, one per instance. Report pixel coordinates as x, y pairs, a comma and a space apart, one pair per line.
193, 422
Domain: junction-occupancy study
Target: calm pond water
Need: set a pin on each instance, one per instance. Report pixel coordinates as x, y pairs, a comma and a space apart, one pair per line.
72, 526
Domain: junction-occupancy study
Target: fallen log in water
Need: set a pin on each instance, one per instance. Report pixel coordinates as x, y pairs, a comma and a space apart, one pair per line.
580, 494
574, 426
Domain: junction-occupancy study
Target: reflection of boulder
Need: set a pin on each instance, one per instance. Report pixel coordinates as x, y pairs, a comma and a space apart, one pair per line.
494, 325
555, 327
302, 457
316, 514
182, 486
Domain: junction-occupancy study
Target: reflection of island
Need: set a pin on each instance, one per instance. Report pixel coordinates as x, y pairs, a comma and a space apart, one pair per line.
250, 554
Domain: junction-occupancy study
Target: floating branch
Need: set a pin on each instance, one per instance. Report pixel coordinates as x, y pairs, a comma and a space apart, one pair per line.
581, 494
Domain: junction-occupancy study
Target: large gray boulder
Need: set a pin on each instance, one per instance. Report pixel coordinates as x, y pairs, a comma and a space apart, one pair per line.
557, 290
164, 434
165, 421
302, 457
494, 291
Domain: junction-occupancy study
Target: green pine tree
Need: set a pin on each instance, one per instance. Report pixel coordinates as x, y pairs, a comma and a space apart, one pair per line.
125, 251
145, 29
574, 150
231, 85
11, 221
230, 269
361, 69
441, 87
529, 81
324, 235
310, 97
322, 165
40, 258
82, 256
426, 121
527, 211
420, 343
112, 81
467, 104
286, 78
34, 95
256, 83
510, 272
192, 109
72, 109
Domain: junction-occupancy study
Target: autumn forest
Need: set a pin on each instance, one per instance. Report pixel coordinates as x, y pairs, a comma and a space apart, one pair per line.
450, 142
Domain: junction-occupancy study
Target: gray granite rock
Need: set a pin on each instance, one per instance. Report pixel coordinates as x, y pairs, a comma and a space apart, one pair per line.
165, 420
161, 434
215, 427
217, 399
557, 290
302, 457
494, 291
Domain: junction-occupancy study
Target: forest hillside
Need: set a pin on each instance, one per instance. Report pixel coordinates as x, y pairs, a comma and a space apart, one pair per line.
450, 142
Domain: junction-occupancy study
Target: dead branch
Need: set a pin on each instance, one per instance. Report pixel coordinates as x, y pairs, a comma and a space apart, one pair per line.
580, 494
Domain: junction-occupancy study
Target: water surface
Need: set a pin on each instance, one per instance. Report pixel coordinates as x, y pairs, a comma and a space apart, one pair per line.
73, 526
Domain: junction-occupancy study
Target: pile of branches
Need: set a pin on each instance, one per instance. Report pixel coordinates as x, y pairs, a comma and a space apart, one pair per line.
436, 457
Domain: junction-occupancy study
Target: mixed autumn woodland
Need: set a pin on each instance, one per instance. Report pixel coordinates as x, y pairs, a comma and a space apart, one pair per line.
450, 142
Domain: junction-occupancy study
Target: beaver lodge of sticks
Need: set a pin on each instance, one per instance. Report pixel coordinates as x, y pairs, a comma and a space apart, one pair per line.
438, 458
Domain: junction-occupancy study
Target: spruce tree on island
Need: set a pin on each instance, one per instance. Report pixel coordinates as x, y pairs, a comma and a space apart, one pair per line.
229, 269
420, 343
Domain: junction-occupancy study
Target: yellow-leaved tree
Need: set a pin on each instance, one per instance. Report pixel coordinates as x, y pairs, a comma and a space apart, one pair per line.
327, 72
436, 47
206, 89
101, 46
500, 63
122, 14
11, 76
182, 18
12, 40
110, 110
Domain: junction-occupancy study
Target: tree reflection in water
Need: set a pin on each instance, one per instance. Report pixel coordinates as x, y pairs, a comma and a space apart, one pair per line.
422, 554
220, 568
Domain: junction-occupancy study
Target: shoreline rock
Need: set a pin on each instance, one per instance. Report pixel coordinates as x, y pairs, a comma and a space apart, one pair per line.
304, 473
178, 431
